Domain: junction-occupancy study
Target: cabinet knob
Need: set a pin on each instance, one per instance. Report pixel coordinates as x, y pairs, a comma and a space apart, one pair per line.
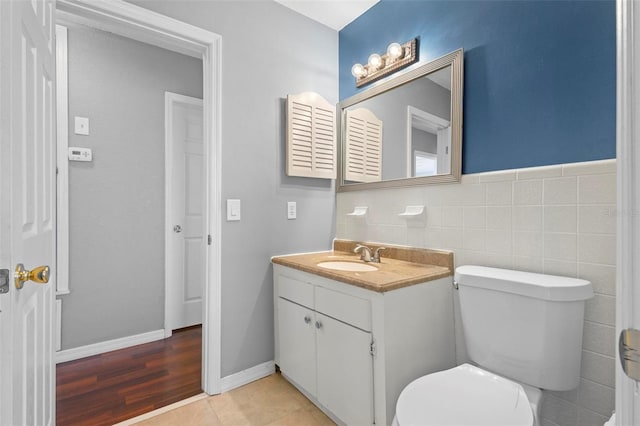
318, 325
307, 319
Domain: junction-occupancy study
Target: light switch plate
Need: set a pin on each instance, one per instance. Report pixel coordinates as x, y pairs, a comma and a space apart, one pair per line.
81, 126
291, 210
233, 210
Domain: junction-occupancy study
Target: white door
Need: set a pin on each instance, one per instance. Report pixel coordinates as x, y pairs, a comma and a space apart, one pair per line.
27, 215
186, 237
628, 200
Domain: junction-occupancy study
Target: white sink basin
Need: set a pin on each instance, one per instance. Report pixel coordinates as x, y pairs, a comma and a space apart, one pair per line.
347, 266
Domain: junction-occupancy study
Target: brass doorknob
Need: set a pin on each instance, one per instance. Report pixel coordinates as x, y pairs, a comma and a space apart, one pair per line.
38, 275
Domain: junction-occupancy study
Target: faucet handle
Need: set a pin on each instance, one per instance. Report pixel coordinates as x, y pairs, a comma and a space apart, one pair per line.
376, 254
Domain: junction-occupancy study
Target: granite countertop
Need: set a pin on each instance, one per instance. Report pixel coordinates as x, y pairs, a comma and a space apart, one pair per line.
404, 266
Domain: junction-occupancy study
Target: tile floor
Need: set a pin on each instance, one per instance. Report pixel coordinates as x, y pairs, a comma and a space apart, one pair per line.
268, 401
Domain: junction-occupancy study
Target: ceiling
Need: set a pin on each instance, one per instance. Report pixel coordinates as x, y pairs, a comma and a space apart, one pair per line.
335, 14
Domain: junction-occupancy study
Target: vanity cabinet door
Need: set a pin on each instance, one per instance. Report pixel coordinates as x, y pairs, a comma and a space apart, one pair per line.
345, 370
297, 344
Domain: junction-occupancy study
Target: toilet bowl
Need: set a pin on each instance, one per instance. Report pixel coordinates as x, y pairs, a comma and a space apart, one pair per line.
467, 395
524, 331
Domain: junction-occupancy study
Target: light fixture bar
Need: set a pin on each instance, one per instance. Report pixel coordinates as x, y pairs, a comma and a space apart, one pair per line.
390, 62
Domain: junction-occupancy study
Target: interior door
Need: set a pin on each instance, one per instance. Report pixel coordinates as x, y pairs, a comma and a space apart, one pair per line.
27, 217
186, 239
627, 410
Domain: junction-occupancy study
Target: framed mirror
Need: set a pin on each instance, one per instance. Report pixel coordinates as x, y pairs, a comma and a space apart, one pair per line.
406, 131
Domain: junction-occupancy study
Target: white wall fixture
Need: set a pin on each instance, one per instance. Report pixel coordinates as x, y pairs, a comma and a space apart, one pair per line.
311, 136
291, 210
412, 211
360, 211
233, 210
415, 216
80, 154
82, 126
398, 56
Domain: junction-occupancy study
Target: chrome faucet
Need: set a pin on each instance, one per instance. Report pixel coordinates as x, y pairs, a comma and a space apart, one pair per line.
365, 252
376, 254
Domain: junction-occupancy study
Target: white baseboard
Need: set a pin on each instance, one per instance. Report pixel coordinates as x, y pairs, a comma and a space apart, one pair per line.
247, 376
108, 346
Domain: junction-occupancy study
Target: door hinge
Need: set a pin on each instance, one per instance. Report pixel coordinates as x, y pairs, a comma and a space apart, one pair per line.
372, 348
209, 239
629, 348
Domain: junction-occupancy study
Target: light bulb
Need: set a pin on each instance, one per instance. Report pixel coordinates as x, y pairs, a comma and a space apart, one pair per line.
375, 61
358, 71
395, 51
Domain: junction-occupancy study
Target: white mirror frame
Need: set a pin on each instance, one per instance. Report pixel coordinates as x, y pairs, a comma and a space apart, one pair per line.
453, 59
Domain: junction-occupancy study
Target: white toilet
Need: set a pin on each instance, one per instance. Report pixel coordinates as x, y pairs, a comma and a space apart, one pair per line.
524, 331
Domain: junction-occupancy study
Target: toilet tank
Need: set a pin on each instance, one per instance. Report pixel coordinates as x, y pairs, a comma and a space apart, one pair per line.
522, 325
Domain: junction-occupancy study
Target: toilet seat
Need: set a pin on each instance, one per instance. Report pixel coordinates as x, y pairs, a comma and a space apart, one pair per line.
464, 395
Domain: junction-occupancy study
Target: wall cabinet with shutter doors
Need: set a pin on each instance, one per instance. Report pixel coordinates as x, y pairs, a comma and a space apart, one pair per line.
311, 136
351, 351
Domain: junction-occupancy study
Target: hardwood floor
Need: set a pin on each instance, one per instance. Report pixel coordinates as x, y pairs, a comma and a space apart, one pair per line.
111, 387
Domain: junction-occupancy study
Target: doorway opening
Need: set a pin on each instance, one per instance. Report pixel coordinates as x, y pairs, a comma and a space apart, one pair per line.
118, 191
139, 24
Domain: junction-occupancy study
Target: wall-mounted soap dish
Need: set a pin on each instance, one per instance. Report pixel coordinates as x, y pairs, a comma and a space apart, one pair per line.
360, 211
415, 216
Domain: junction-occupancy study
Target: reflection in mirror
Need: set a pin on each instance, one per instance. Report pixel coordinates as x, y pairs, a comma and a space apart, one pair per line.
363, 153
406, 131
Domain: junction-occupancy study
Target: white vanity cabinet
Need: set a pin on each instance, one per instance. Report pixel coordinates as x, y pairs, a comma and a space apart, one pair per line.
328, 357
352, 350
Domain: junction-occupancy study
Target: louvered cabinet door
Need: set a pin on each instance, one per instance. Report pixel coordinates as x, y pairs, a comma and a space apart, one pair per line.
363, 146
311, 136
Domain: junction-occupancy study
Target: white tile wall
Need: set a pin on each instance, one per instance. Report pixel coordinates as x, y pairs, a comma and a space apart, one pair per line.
556, 219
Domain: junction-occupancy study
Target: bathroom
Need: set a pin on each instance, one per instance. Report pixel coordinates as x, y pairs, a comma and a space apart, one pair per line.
538, 190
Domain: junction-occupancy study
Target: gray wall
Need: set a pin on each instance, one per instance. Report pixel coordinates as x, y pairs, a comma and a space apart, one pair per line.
391, 108
424, 141
116, 202
268, 52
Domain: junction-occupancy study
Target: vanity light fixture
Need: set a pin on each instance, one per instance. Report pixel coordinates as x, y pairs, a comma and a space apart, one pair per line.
398, 56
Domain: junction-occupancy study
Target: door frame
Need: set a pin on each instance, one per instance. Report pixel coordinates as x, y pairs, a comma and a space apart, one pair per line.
150, 27
433, 123
628, 184
171, 100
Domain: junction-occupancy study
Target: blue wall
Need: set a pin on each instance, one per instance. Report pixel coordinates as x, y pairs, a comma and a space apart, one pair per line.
539, 76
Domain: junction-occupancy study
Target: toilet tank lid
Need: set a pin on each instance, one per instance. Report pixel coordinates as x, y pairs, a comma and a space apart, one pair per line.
539, 286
